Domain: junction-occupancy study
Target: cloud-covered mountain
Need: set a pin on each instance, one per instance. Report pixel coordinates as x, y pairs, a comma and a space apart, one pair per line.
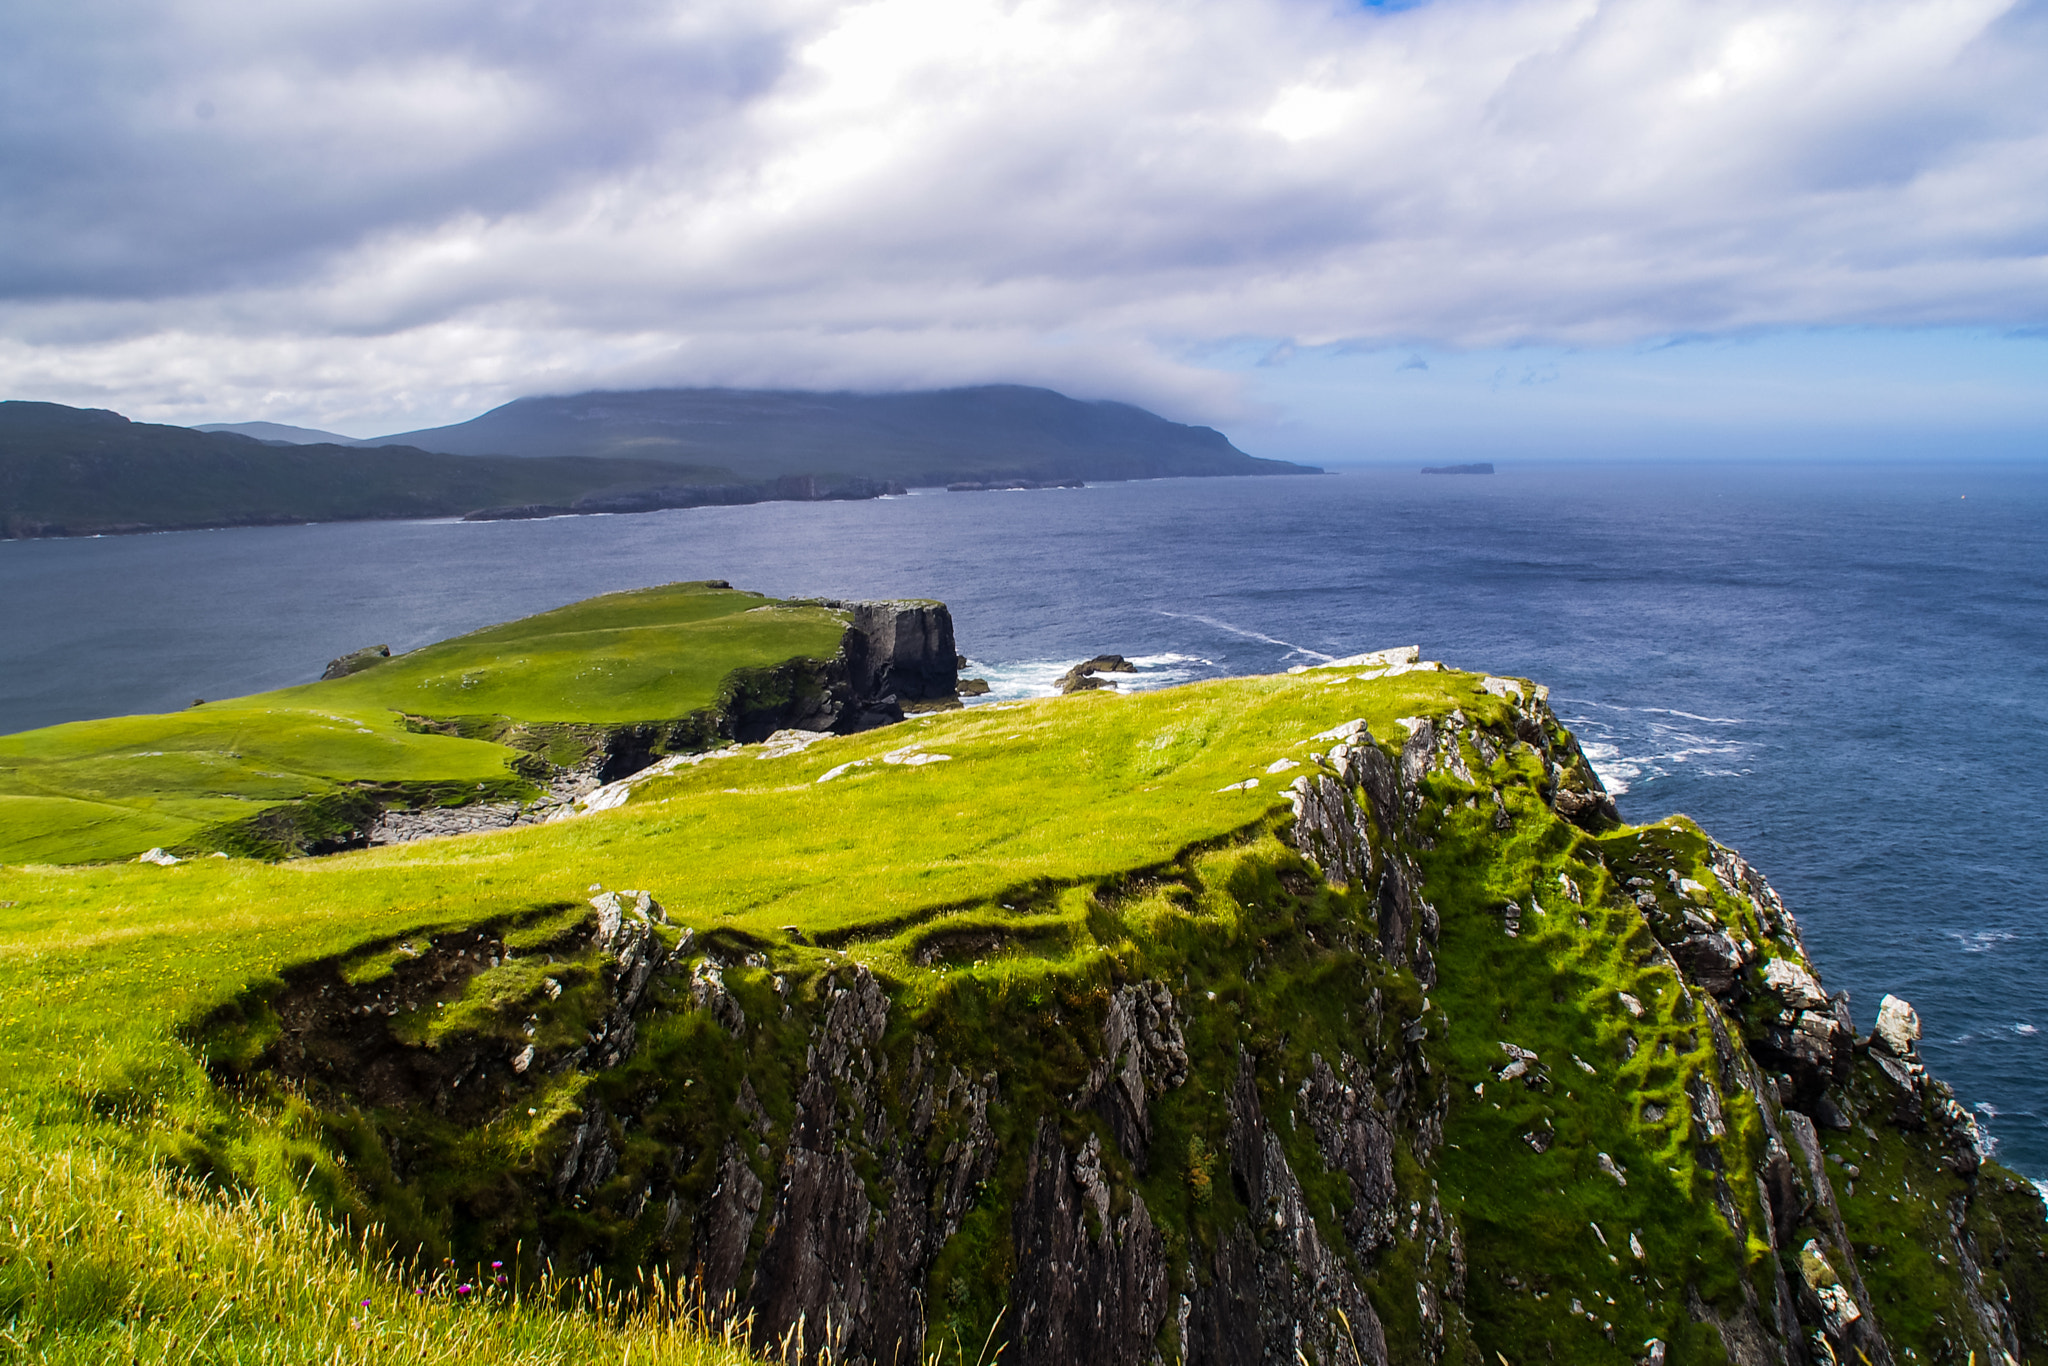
1000, 431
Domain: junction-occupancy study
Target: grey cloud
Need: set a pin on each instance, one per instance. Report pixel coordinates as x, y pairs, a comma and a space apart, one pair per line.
469, 200
159, 150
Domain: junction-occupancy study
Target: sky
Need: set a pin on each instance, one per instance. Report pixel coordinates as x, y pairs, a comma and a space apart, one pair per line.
1482, 228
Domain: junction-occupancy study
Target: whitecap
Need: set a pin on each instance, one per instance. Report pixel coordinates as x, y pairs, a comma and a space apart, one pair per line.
1614, 771
2024, 1029
1248, 635
1983, 941
1020, 679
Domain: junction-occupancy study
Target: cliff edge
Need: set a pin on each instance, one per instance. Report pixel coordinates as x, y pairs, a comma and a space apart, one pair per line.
1332, 1018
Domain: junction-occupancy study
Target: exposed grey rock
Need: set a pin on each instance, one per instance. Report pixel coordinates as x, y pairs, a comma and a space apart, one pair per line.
1794, 985
1090, 1289
1898, 1026
1711, 959
850, 1270
1861, 1334
1353, 1132
637, 953
355, 661
1275, 1288
708, 993
726, 1226
900, 649
1144, 1054
1328, 829
399, 825
1415, 756
1082, 676
590, 1156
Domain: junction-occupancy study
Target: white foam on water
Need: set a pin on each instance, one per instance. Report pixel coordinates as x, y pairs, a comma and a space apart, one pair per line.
1630, 746
1248, 635
1983, 941
2023, 1029
1614, 771
1014, 681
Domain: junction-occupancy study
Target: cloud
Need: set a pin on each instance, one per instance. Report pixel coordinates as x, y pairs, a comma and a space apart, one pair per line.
387, 212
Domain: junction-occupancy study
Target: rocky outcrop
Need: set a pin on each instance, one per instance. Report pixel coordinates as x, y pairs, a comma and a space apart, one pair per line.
1143, 1055
1091, 1285
1086, 675
900, 651
355, 661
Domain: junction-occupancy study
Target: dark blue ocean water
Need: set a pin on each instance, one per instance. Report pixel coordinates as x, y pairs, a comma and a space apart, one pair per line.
1840, 670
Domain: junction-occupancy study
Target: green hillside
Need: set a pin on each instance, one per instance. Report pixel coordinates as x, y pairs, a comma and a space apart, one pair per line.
1024, 1025
79, 471
469, 719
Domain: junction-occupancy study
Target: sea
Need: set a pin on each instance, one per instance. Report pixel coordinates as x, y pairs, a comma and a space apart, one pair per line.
1839, 669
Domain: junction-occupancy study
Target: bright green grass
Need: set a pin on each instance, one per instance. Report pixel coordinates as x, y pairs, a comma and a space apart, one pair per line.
648, 655
1092, 832
95, 790
102, 1260
1034, 795
102, 790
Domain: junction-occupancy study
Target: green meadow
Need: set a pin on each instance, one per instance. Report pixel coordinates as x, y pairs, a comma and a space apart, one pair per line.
424, 728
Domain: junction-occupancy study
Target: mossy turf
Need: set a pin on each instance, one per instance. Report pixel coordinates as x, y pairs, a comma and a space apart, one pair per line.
200, 779
1002, 870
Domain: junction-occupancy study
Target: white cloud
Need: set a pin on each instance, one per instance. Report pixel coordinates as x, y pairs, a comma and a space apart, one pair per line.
379, 215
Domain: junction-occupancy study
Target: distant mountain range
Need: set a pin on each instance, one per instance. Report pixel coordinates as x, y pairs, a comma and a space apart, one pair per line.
988, 433
282, 434
82, 471
86, 471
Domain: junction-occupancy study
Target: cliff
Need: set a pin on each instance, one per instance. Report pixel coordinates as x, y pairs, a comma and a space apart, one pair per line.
1333, 1018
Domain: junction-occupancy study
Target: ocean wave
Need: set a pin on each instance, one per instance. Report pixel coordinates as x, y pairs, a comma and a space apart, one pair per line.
1658, 711
2024, 1029
1027, 678
1248, 635
1983, 941
1628, 753
1613, 770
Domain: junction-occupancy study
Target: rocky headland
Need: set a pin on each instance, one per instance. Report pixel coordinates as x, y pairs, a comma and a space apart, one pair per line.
1436, 1061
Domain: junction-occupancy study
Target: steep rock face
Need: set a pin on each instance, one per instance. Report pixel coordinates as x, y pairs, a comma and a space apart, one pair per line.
1277, 1288
1391, 1095
1091, 1285
901, 650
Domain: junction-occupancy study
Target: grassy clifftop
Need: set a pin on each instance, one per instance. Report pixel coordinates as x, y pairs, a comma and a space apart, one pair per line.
475, 718
1325, 1013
